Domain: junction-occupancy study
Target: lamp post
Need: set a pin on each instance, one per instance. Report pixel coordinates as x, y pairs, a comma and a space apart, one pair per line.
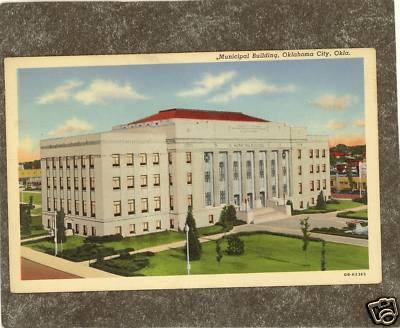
187, 249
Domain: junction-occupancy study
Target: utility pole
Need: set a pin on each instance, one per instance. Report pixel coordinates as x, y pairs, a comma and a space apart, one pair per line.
187, 249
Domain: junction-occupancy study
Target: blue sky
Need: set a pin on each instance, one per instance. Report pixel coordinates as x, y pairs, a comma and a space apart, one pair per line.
324, 95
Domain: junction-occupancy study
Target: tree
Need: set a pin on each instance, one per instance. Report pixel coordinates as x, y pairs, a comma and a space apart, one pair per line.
305, 229
218, 250
24, 217
194, 243
235, 245
60, 226
228, 217
321, 204
350, 177
323, 256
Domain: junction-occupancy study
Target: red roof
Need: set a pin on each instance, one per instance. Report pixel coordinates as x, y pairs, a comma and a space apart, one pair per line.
197, 114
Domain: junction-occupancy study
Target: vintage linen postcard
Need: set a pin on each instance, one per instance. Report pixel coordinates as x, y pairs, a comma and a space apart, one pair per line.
193, 170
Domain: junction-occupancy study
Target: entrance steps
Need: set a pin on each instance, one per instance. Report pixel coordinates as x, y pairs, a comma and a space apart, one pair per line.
272, 212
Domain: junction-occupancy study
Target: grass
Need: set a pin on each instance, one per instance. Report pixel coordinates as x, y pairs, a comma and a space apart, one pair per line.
36, 228
330, 207
212, 230
37, 197
263, 253
361, 215
47, 245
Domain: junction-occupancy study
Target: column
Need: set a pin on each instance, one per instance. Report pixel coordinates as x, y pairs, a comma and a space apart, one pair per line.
244, 179
230, 177
215, 174
256, 175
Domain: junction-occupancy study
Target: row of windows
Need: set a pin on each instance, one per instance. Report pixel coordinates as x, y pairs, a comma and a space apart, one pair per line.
55, 203
313, 184
69, 160
318, 168
131, 206
312, 153
312, 202
76, 183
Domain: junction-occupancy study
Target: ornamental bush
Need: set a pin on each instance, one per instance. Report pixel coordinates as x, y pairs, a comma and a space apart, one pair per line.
235, 245
104, 239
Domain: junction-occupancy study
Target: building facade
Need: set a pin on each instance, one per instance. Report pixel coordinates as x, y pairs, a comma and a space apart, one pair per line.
142, 176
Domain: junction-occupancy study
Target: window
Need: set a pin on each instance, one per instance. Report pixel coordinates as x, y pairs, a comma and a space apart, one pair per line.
60, 162
318, 184
317, 153
222, 196
91, 161
132, 228
118, 230
156, 179
317, 168
311, 185
84, 230
171, 224
248, 169
311, 168
312, 201
158, 224
54, 203
143, 159
156, 158
208, 198
210, 218
69, 206
68, 159
235, 170
190, 200
91, 183
157, 203
323, 167
47, 163
48, 204
284, 170
131, 206
83, 183
76, 183
189, 178
145, 205
61, 183
261, 166
311, 153
54, 162
83, 162
48, 223
77, 207
171, 203
117, 208
76, 159
131, 182
69, 225
300, 188
324, 184
273, 171
115, 160
273, 190
61, 203
129, 159
300, 172
170, 179
323, 153
68, 183
285, 188
145, 226
301, 204
93, 208
143, 180
188, 157
207, 176
170, 158
77, 228
299, 153
48, 182
221, 171
84, 208
93, 231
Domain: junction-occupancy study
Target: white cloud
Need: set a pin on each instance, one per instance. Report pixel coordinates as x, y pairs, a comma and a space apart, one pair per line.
207, 84
101, 91
71, 126
250, 87
335, 125
26, 144
61, 93
359, 123
28, 149
333, 102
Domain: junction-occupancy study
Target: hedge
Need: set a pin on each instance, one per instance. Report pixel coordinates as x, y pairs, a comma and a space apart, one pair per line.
103, 239
347, 216
337, 232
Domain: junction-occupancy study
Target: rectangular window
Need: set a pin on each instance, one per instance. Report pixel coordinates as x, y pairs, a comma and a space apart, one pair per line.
76, 183
169, 158
156, 179
69, 206
145, 226
311, 185
91, 161
115, 159
91, 183
145, 205
208, 198
273, 190
284, 171
55, 183
131, 181
171, 224
54, 162
311, 153
61, 183
318, 184
131, 206
311, 168
143, 158
299, 153
48, 183
189, 178
324, 184
68, 159
210, 218
285, 188
68, 183
61, 203
221, 171
76, 159
248, 169
60, 162
129, 159
235, 170
93, 231
188, 157
143, 180
48, 204
261, 167
84, 208
158, 224
157, 203
77, 228
301, 204
47, 163
273, 170
190, 200
84, 230
300, 188
83, 183
118, 230
54, 203
317, 168
323, 153
222, 197
207, 176
77, 207
93, 208
300, 172
170, 179
324, 168
312, 201
317, 153
83, 162
132, 229
117, 208
156, 158
171, 203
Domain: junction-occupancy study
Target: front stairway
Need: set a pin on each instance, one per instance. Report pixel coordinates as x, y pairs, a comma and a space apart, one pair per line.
272, 212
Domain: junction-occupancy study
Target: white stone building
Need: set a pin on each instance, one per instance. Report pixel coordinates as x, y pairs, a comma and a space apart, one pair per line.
141, 177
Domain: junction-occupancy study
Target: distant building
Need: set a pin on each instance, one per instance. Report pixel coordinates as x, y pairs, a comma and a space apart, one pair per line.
142, 176
30, 178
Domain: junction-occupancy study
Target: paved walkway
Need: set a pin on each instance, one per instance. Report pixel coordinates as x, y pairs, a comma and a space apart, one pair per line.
35, 238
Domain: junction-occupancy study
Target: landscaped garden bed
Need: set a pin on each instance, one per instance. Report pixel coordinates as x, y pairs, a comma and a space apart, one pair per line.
338, 232
361, 215
331, 206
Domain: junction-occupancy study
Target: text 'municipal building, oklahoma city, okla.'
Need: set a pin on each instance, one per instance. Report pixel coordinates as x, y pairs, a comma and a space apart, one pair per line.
142, 177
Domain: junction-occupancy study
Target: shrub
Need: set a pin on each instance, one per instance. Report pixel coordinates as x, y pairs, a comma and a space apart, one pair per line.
124, 255
104, 239
362, 200
333, 201
235, 245
321, 204
351, 225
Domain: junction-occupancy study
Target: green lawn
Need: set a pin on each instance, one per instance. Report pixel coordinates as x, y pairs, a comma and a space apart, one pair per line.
36, 228
361, 215
343, 205
212, 230
263, 253
48, 246
37, 197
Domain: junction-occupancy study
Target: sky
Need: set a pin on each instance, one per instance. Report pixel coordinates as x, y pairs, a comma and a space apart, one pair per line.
326, 96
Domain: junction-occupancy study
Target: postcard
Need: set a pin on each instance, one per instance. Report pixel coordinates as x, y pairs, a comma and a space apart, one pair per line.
193, 170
